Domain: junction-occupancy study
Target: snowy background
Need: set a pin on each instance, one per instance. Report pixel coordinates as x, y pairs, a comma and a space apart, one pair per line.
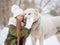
50, 41
46, 6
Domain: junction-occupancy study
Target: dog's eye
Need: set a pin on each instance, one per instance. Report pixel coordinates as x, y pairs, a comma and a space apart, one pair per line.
29, 14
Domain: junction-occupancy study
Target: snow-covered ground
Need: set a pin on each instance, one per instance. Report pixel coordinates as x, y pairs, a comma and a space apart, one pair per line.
50, 41
3, 35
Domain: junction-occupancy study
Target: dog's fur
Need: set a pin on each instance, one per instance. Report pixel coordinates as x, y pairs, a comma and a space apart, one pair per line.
42, 26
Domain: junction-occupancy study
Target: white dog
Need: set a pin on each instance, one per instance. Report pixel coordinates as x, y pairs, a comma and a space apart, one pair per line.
42, 26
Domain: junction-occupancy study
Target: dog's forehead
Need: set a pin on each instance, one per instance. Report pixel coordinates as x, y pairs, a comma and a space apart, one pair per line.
29, 10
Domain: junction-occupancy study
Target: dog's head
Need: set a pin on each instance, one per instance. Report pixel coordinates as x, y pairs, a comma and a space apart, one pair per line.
32, 14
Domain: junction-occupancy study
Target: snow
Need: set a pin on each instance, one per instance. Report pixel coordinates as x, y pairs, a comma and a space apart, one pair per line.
3, 35
50, 41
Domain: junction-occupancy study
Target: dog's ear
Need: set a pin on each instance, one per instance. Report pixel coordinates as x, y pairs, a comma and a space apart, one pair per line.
36, 10
36, 16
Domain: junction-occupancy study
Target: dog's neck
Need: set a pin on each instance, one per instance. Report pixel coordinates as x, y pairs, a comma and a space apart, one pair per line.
35, 22
35, 25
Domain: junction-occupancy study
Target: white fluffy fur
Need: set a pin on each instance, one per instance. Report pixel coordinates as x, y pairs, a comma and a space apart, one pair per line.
56, 20
45, 27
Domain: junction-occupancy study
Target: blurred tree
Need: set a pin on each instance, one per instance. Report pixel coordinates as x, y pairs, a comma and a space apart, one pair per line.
26, 4
5, 13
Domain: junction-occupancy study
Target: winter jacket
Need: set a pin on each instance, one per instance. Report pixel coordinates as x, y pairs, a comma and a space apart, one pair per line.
11, 37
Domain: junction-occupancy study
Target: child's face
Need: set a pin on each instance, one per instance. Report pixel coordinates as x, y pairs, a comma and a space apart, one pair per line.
20, 18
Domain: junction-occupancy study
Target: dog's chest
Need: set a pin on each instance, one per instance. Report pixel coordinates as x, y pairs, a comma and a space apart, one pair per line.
35, 33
